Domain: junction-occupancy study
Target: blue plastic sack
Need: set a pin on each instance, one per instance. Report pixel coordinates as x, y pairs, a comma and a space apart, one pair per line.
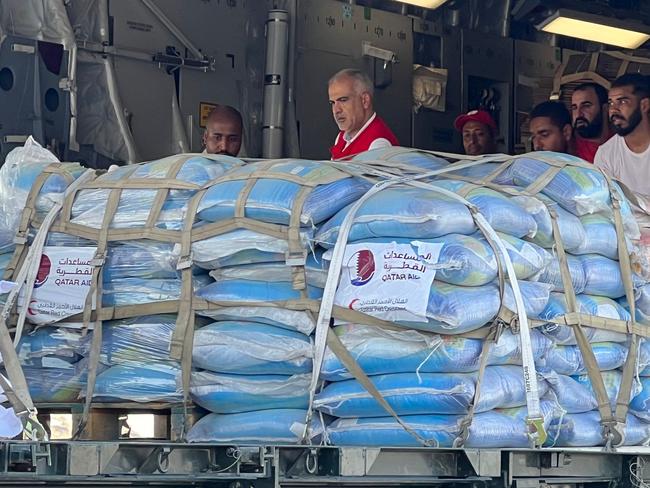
316, 269
643, 362
576, 394
568, 360
135, 291
600, 237
135, 204
419, 160
585, 430
49, 345
642, 304
640, 404
243, 246
7, 244
278, 426
527, 258
299, 320
494, 429
552, 275
18, 175
401, 212
141, 259
579, 190
603, 276
449, 310
253, 291
228, 393
571, 230
507, 427
147, 381
482, 170
256, 293
426, 393
502, 214
130, 340
382, 351
52, 385
272, 200
563, 334
250, 348
439, 430
587, 304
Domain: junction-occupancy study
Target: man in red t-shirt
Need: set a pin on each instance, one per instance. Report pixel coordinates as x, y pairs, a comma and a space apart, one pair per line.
589, 109
360, 129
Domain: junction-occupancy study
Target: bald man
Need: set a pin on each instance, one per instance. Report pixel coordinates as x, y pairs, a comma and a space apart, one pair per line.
223, 131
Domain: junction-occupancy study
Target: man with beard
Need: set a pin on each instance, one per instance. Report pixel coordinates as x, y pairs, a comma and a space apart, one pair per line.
589, 108
223, 131
626, 156
360, 128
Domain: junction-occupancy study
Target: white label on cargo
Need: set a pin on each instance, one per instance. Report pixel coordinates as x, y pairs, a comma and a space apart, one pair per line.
390, 281
62, 284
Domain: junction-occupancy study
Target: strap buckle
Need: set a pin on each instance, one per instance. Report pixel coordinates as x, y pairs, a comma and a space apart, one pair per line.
537, 434
296, 258
614, 434
98, 260
20, 239
184, 262
34, 429
463, 434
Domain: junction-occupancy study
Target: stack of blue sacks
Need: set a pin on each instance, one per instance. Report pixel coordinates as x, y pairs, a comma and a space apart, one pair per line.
136, 272
428, 375
253, 364
253, 347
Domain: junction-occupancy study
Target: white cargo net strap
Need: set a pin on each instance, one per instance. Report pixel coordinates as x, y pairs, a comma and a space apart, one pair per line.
537, 434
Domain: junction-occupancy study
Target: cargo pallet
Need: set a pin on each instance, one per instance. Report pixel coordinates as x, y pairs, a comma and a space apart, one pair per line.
94, 463
107, 420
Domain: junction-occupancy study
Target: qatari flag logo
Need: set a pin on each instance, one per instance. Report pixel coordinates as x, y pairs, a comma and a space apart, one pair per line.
361, 267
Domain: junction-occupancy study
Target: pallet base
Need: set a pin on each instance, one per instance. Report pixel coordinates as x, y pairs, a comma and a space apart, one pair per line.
108, 421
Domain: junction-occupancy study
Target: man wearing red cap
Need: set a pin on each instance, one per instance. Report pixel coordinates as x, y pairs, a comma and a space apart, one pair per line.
479, 131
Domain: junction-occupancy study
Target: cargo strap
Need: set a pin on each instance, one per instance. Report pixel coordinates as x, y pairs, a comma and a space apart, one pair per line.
94, 297
586, 351
629, 369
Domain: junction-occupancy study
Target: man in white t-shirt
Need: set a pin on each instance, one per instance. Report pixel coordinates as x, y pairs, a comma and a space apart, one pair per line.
626, 156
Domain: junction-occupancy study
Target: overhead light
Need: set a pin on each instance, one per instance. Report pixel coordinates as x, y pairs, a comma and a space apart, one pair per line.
596, 28
425, 3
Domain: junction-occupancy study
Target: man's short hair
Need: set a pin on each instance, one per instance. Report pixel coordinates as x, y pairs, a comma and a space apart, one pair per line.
556, 111
221, 112
600, 90
361, 79
640, 83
